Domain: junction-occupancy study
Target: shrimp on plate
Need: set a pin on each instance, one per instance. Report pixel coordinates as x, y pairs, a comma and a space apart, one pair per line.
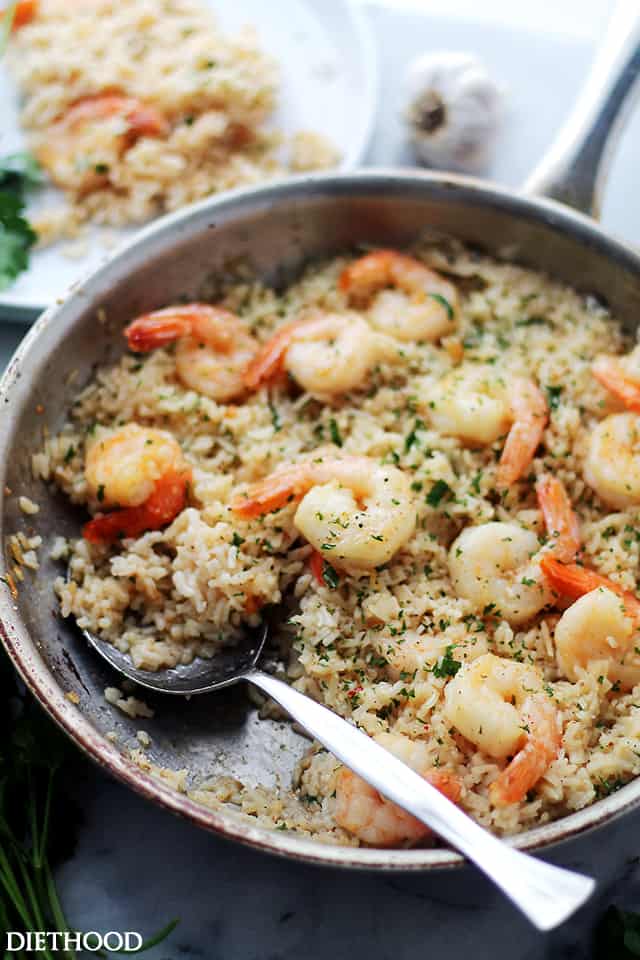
374, 820
353, 510
500, 706
479, 407
102, 127
325, 353
25, 11
213, 346
601, 625
498, 564
403, 297
139, 472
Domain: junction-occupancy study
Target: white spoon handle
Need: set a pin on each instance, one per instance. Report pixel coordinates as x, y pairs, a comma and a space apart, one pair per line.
547, 895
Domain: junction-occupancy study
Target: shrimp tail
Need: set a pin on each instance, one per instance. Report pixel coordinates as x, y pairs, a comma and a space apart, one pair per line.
316, 565
24, 13
447, 783
573, 581
165, 503
274, 492
268, 364
609, 374
141, 119
530, 416
560, 519
541, 748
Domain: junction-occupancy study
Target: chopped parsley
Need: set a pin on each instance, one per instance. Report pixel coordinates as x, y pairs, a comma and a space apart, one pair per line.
553, 395
101, 492
275, 416
438, 492
330, 575
534, 321
237, 540
447, 666
334, 430
412, 437
444, 303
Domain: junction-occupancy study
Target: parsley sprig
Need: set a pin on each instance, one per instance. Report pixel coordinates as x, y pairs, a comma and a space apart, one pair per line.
18, 172
37, 765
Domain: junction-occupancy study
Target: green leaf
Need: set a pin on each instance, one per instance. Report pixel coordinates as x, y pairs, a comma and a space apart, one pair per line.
444, 302
330, 575
438, 491
447, 666
334, 430
20, 169
553, 394
17, 172
412, 437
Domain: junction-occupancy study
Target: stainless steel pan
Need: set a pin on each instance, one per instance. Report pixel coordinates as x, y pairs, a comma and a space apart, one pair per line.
277, 229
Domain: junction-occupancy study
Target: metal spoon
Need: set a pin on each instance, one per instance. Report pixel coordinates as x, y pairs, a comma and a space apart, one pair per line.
547, 895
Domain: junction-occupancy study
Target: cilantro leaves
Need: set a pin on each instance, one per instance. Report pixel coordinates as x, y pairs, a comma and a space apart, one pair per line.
17, 172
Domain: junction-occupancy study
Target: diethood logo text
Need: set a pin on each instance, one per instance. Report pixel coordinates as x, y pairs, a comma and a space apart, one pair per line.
92, 942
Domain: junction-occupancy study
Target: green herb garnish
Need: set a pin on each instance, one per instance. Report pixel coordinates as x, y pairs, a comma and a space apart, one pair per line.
412, 437
17, 172
334, 430
330, 575
447, 666
438, 491
553, 394
444, 302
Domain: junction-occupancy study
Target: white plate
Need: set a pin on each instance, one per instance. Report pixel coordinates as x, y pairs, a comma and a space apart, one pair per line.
327, 59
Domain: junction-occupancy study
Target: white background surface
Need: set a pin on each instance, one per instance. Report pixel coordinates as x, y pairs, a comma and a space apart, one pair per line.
137, 867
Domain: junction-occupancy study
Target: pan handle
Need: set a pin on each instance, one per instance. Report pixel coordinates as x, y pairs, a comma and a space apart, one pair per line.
575, 167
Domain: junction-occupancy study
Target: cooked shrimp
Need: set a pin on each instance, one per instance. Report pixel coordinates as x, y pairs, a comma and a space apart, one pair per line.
25, 11
478, 406
612, 464
355, 512
423, 305
497, 564
326, 353
142, 473
560, 520
500, 706
93, 134
621, 377
213, 347
572, 582
599, 629
366, 814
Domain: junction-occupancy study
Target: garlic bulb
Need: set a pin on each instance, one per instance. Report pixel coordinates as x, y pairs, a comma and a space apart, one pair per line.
454, 112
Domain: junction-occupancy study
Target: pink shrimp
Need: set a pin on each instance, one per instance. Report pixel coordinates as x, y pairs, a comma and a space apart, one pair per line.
530, 415
609, 372
24, 13
404, 298
365, 813
542, 742
559, 517
571, 581
213, 350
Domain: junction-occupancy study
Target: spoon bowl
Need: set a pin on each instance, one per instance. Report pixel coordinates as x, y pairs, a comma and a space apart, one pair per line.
230, 665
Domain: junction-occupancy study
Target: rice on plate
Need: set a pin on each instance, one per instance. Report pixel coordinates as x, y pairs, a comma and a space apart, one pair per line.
416, 451
135, 109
